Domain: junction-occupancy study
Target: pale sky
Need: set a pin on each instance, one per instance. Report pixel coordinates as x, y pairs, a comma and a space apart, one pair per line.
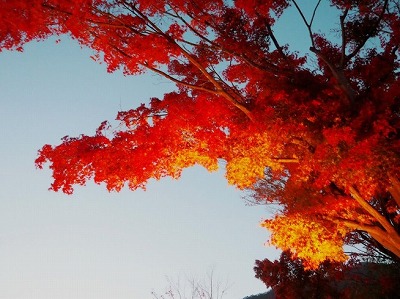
95, 244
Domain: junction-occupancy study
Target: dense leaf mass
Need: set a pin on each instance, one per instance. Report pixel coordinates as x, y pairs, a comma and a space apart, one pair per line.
288, 279
321, 139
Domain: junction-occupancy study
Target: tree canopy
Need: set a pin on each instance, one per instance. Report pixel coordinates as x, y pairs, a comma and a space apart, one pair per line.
288, 279
316, 132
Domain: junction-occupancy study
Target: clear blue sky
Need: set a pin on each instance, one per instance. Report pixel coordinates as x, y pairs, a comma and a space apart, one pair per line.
96, 244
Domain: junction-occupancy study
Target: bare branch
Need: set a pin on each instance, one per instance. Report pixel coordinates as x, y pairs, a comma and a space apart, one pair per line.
308, 25
269, 67
210, 288
177, 81
275, 41
342, 18
314, 12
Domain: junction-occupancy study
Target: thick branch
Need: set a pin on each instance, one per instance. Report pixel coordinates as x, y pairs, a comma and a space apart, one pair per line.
391, 233
286, 160
377, 247
376, 232
338, 74
395, 190
370, 209
371, 229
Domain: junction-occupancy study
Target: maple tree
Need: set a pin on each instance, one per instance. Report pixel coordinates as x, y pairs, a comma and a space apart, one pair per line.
288, 279
316, 132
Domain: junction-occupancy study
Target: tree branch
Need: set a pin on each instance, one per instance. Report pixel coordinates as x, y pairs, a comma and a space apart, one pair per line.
314, 12
339, 76
337, 72
362, 43
286, 160
177, 81
275, 41
269, 67
219, 88
390, 233
308, 25
342, 18
376, 232
371, 210
395, 189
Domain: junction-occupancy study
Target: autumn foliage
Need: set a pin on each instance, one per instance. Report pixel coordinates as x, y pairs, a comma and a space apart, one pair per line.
316, 132
288, 279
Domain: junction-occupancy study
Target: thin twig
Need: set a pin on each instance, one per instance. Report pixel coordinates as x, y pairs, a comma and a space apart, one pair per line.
314, 12
305, 22
342, 18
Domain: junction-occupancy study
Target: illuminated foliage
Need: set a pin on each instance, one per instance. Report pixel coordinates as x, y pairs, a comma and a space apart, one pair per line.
318, 134
309, 241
